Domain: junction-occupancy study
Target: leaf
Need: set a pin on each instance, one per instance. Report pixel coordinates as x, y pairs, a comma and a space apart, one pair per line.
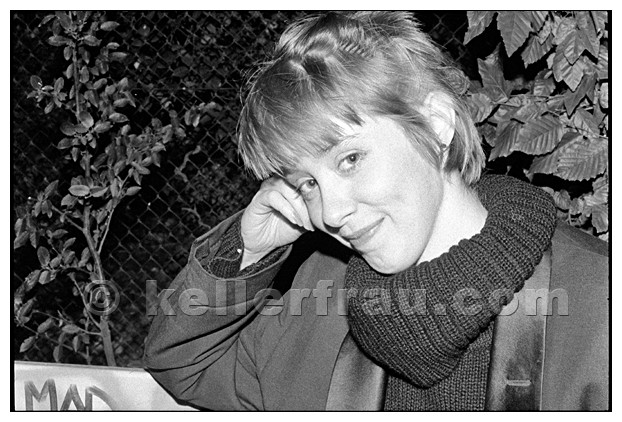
118, 56
600, 18
86, 119
58, 40
538, 17
45, 325
54, 263
50, 189
478, 21
71, 329
20, 240
132, 190
548, 163
600, 218
583, 159
56, 354
603, 99
79, 190
540, 136
600, 194
535, 50
573, 46
27, 344
514, 28
122, 102
68, 256
504, 144
49, 107
543, 87
118, 117
492, 78
602, 67
34, 238
98, 192
68, 243
84, 74
69, 74
562, 27
68, 200
44, 255
102, 127
479, 105
59, 84
84, 257
109, 25
64, 20
564, 71
32, 279
67, 52
58, 233
142, 170
571, 100
588, 32
584, 121
76, 343
91, 40
36, 82
47, 19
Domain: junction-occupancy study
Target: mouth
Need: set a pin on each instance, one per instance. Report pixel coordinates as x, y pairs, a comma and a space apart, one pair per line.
363, 235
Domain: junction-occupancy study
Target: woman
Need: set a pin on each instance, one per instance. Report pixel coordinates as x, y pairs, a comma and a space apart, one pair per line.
358, 129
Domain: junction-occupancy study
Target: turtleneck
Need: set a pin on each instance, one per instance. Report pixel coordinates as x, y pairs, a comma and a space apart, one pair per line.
432, 313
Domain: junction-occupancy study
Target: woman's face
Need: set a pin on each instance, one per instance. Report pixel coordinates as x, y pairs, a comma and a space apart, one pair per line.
374, 193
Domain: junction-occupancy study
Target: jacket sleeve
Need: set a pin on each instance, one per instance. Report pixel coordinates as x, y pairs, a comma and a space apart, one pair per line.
196, 347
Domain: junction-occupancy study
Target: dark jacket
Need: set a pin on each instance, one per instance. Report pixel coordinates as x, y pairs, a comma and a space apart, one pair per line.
218, 353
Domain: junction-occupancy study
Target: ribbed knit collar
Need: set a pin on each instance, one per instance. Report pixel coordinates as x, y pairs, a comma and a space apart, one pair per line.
517, 231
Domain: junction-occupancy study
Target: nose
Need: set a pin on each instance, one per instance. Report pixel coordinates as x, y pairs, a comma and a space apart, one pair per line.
337, 204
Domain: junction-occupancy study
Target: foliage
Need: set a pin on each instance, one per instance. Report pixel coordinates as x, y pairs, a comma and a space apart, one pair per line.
69, 221
552, 116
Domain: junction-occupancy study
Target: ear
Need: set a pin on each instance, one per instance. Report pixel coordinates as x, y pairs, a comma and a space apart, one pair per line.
439, 109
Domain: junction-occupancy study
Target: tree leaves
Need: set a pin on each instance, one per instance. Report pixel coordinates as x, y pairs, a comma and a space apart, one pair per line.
535, 50
478, 22
576, 158
572, 99
27, 344
506, 140
492, 78
79, 190
480, 106
583, 160
514, 28
540, 135
571, 74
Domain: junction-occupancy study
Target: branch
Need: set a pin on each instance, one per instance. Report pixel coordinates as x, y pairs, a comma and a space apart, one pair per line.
73, 223
107, 227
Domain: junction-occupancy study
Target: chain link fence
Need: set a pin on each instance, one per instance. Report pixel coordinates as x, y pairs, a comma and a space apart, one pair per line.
175, 60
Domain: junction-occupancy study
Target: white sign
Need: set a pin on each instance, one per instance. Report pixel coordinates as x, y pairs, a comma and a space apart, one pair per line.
47, 386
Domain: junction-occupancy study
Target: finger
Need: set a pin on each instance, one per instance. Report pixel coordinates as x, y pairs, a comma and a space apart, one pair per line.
278, 202
294, 198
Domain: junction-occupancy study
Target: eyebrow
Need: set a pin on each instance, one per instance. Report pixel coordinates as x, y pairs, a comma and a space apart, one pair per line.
346, 139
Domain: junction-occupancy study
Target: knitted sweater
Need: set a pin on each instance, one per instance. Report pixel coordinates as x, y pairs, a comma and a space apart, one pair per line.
438, 362
438, 354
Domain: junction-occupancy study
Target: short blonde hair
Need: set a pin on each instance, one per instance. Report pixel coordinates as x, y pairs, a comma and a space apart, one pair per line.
341, 67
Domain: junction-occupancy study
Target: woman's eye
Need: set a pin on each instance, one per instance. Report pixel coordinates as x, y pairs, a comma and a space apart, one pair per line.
350, 162
307, 187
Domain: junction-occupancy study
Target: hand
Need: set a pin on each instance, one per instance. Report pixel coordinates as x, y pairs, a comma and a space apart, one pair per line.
276, 216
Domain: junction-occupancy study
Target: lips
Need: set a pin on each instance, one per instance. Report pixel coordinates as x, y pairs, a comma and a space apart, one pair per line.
360, 237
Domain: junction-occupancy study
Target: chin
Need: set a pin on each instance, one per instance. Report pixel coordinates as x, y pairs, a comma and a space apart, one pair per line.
388, 267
